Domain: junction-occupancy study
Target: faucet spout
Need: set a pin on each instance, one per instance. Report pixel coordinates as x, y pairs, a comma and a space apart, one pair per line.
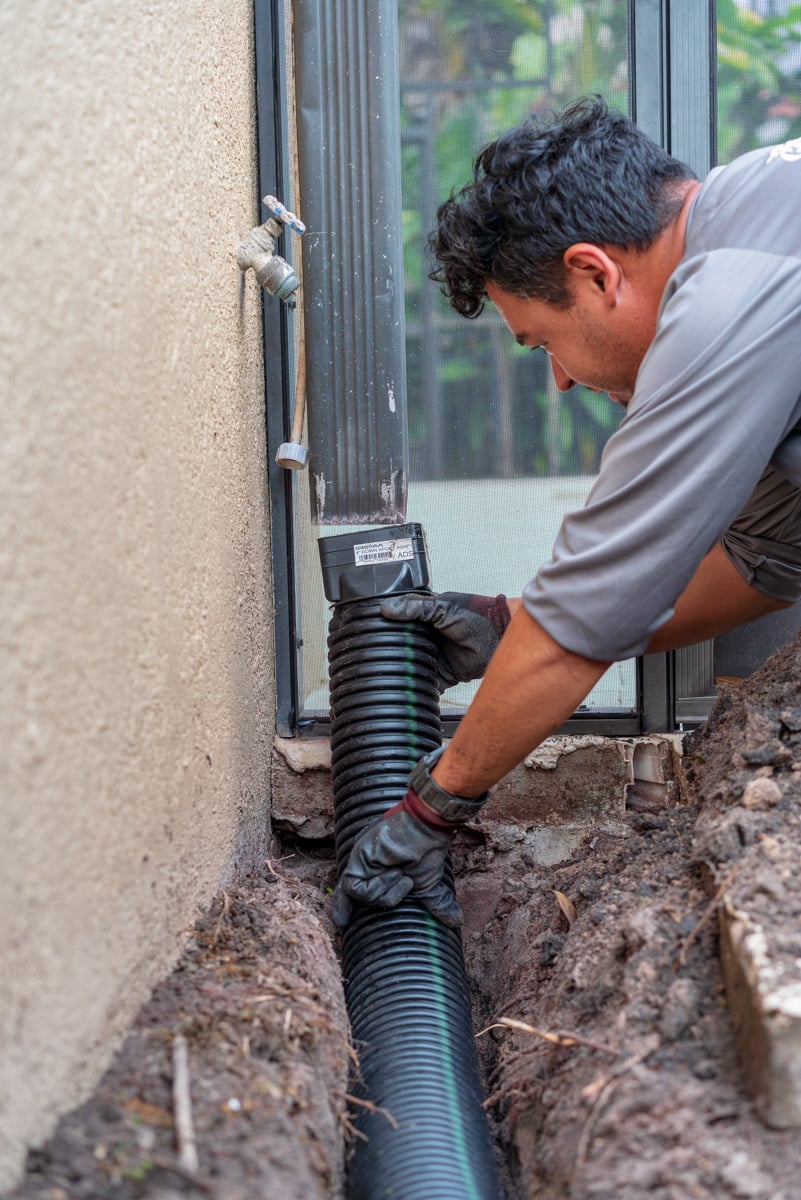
256, 252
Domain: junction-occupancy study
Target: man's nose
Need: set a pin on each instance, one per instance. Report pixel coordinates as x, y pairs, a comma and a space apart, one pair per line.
561, 377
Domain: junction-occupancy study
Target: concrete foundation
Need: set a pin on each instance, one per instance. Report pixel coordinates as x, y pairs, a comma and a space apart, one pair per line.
570, 784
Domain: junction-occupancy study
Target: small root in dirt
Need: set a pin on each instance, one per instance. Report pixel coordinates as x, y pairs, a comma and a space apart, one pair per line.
374, 1108
559, 1038
706, 916
599, 1091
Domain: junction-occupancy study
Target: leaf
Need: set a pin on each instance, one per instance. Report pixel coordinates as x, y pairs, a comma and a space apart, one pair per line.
151, 1114
567, 906
529, 56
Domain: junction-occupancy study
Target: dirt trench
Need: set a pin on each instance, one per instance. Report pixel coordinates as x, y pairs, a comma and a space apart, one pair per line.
610, 1064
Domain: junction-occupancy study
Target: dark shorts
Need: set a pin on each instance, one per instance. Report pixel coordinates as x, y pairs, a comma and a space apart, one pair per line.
764, 543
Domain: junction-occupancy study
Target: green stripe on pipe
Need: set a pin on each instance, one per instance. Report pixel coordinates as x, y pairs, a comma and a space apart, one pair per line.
445, 1032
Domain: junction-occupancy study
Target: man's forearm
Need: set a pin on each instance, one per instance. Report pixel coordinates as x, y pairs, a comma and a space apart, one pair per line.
531, 687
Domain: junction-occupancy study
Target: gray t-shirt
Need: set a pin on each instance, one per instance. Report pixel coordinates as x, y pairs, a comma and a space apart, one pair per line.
709, 447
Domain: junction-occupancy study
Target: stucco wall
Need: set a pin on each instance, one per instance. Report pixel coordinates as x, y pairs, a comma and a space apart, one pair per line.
136, 686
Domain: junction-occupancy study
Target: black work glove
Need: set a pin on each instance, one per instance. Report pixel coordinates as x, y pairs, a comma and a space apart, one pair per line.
466, 629
401, 855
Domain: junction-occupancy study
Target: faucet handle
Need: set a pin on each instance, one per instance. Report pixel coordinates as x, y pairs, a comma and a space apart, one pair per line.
284, 215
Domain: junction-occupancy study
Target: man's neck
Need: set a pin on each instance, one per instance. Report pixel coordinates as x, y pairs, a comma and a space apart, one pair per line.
647, 271
669, 246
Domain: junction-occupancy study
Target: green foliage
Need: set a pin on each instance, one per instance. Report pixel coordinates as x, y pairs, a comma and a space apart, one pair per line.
140, 1172
469, 71
759, 78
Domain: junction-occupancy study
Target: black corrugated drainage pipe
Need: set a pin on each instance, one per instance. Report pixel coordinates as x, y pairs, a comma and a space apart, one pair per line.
405, 982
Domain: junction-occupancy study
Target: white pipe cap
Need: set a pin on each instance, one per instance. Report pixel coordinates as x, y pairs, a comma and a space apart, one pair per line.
292, 455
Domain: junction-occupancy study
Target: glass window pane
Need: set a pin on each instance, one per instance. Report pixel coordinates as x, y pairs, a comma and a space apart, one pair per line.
497, 454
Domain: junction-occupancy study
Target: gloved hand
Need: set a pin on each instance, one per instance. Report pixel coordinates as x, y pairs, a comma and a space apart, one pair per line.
402, 855
466, 629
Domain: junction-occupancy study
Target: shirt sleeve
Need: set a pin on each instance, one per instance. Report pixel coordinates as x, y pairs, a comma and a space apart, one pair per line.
716, 393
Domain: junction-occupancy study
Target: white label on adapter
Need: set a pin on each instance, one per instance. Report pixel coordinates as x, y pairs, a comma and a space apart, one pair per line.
396, 550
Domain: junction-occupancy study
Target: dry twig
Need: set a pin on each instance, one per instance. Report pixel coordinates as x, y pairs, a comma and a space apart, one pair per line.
368, 1104
503, 1093
559, 1038
226, 905
170, 1164
598, 1091
182, 1104
268, 862
351, 1129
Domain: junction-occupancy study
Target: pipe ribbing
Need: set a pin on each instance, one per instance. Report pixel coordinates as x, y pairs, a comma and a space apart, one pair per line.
405, 979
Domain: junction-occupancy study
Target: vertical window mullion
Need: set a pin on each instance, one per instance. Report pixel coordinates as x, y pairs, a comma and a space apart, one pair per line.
649, 59
692, 133
692, 58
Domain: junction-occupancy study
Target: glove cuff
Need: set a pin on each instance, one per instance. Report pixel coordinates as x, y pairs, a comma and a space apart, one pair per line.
412, 804
494, 608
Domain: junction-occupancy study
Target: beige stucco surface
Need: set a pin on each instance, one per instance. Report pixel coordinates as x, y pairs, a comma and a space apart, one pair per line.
135, 621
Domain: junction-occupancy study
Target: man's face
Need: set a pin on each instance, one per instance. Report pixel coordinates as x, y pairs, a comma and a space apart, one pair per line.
589, 343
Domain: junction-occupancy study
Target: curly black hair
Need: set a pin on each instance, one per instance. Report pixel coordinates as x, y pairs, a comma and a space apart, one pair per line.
586, 175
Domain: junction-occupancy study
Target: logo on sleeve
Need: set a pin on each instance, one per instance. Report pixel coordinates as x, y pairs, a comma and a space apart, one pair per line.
788, 151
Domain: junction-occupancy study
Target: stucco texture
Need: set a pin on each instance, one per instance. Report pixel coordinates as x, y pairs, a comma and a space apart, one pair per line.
137, 680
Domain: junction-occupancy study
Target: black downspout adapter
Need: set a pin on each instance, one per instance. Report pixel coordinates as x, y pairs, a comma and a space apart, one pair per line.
405, 982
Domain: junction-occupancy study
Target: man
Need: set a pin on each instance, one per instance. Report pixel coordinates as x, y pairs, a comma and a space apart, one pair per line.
682, 300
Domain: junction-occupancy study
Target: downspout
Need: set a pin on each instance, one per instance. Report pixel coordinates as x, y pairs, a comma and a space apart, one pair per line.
349, 156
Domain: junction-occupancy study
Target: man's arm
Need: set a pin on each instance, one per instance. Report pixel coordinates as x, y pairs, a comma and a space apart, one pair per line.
716, 599
533, 685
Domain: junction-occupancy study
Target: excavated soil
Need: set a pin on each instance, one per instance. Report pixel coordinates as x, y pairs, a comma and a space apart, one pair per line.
258, 997
606, 1040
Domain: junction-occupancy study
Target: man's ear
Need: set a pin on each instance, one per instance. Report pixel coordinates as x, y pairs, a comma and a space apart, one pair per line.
590, 266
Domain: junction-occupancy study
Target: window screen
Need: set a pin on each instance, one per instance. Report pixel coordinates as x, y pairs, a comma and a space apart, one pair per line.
497, 454
759, 75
